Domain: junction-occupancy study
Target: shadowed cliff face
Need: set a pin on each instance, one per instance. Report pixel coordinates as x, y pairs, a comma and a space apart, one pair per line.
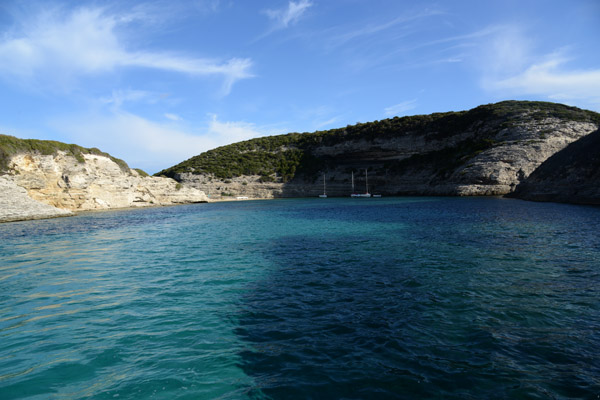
485, 151
572, 175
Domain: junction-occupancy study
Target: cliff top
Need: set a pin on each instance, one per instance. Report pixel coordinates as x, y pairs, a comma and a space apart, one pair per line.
11, 146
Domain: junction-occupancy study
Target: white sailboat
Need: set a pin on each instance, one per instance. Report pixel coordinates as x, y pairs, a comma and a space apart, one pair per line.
366, 194
324, 195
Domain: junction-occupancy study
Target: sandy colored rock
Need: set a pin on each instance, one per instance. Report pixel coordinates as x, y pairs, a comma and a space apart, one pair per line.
16, 205
60, 181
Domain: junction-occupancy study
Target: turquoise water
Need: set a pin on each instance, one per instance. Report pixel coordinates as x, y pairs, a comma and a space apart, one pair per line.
313, 298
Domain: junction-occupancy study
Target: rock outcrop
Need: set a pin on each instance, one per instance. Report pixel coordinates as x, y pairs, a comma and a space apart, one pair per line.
485, 151
16, 205
571, 176
38, 185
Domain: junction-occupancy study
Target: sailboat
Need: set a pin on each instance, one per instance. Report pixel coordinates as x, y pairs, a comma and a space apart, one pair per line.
324, 195
366, 194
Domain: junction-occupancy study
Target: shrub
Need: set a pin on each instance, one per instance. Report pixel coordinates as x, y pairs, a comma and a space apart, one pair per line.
142, 173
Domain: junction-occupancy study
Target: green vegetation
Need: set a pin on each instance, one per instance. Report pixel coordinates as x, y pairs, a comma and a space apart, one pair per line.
11, 146
292, 156
142, 173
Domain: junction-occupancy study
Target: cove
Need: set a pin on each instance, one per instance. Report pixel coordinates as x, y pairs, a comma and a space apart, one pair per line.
304, 298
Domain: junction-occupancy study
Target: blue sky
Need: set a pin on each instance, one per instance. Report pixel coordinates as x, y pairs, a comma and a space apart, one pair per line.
156, 82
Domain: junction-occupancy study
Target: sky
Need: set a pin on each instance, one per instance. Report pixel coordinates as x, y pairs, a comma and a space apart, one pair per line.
157, 82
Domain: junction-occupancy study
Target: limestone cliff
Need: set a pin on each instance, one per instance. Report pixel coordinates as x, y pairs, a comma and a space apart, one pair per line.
16, 205
485, 151
572, 175
45, 185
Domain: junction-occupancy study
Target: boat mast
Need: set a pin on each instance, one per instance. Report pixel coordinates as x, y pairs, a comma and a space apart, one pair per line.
353, 182
366, 181
324, 192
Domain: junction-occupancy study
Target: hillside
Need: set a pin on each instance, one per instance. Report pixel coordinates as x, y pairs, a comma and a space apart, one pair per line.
11, 146
484, 151
41, 179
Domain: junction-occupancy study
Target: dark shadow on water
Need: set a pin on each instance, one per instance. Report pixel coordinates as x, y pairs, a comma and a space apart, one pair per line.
419, 314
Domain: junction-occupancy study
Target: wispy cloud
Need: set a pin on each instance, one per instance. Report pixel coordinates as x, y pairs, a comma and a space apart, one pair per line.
173, 117
400, 108
206, 6
373, 29
329, 122
119, 97
290, 15
57, 46
381, 43
284, 17
464, 38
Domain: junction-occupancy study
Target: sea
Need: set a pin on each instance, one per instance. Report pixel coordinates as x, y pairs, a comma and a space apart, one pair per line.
337, 298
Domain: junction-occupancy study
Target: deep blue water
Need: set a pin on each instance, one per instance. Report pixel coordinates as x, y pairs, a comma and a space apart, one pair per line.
456, 298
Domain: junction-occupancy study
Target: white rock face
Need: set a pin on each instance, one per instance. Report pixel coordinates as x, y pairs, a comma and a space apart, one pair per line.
62, 182
16, 205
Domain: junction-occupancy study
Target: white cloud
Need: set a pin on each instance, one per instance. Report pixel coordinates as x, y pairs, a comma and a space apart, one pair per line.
400, 108
290, 15
56, 45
